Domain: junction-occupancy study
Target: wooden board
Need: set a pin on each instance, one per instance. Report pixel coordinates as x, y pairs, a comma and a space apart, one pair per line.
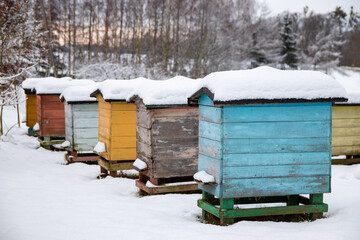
31, 110
346, 130
51, 115
104, 131
115, 166
167, 140
167, 189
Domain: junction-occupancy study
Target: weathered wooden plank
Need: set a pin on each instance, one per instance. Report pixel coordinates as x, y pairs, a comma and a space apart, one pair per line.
210, 148
110, 166
275, 145
346, 141
268, 159
205, 100
143, 118
345, 150
214, 190
346, 112
174, 152
277, 129
86, 122
84, 133
85, 107
174, 127
175, 112
211, 166
271, 211
86, 114
210, 130
237, 188
167, 189
181, 167
278, 112
301, 170
174, 142
143, 150
343, 132
82, 145
143, 135
210, 114
346, 123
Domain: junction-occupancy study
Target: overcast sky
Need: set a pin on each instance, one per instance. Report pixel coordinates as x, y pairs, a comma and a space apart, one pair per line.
318, 6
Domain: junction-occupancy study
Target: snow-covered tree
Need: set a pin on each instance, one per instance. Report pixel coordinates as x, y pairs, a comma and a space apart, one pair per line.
324, 52
289, 50
266, 44
20, 47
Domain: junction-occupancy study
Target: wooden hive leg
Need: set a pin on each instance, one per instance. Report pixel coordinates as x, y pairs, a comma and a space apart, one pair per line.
113, 173
103, 172
292, 200
226, 204
207, 197
316, 199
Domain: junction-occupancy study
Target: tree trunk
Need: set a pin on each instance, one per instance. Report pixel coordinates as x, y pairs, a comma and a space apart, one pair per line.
167, 37
90, 29
121, 29
74, 35
69, 38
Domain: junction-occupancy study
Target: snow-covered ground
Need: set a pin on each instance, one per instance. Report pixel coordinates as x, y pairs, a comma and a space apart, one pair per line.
41, 198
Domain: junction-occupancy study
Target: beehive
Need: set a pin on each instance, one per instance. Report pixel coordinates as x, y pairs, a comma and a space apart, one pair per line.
346, 123
273, 143
81, 123
167, 135
29, 86
51, 111
117, 125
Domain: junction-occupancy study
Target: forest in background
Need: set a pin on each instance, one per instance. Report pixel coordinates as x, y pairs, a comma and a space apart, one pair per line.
158, 39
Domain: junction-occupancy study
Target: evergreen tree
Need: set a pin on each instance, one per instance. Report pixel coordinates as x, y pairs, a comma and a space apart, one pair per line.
289, 50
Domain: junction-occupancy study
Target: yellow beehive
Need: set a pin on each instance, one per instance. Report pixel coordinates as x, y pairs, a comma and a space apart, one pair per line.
117, 129
346, 130
30, 110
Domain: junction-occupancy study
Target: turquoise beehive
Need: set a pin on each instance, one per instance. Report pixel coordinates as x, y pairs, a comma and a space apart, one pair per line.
262, 134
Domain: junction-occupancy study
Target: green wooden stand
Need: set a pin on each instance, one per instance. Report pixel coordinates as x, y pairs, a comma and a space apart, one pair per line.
223, 209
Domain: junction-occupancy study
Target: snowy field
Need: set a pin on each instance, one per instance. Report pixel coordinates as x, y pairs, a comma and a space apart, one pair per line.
41, 198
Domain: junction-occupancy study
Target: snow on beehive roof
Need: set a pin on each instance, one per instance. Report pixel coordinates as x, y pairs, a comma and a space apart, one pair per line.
30, 83
266, 84
174, 91
57, 87
350, 80
118, 90
79, 93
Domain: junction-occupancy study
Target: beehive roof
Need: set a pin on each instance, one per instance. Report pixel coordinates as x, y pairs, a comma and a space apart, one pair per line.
79, 93
118, 90
269, 85
174, 91
30, 83
57, 87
